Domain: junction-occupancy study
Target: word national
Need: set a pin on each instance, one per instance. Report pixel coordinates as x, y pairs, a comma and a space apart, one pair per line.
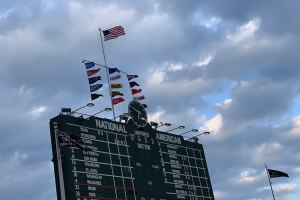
110, 126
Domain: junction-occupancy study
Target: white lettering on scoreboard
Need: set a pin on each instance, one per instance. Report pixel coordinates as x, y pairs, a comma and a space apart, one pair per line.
110, 126
168, 138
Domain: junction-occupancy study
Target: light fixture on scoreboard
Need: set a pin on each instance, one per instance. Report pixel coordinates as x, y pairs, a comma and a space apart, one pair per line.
193, 130
124, 116
179, 127
195, 138
105, 109
164, 124
154, 125
66, 111
87, 105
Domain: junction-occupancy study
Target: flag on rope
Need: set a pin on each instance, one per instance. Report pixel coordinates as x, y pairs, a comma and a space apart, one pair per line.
133, 83
117, 100
71, 140
95, 96
93, 80
93, 88
113, 70
139, 98
129, 77
115, 77
116, 93
113, 33
135, 91
116, 85
275, 173
89, 65
92, 71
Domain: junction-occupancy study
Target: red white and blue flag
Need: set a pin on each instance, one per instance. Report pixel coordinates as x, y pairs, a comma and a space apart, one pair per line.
113, 33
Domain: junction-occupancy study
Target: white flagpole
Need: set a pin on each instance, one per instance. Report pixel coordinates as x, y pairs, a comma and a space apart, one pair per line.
107, 72
270, 181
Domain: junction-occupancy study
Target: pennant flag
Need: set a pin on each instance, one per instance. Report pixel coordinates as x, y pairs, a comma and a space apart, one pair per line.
133, 83
139, 98
117, 100
144, 105
116, 93
116, 77
94, 79
131, 77
116, 86
92, 71
93, 88
89, 65
71, 140
275, 173
113, 70
135, 91
113, 33
95, 96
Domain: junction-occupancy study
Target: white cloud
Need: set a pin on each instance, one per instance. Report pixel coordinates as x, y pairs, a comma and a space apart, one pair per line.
214, 125
204, 62
248, 176
225, 104
37, 111
157, 77
219, 195
267, 150
244, 32
286, 187
157, 116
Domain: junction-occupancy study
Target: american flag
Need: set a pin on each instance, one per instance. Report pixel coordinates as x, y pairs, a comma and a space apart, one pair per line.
113, 33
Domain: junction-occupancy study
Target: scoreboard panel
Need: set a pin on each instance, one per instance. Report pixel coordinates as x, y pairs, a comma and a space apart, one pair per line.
100, 159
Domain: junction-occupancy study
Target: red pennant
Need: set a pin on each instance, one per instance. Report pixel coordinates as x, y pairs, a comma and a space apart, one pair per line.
135, 91
117, 100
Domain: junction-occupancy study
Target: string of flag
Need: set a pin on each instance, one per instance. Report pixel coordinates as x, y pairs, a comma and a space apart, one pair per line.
135, 91
93, 78
116, 94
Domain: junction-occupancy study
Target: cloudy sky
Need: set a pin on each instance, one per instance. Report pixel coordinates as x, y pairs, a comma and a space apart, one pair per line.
228, 67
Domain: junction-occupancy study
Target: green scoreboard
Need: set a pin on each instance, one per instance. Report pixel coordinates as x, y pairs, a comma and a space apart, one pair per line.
101, 159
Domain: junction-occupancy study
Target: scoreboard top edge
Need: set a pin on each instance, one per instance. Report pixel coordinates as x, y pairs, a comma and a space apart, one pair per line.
127, 128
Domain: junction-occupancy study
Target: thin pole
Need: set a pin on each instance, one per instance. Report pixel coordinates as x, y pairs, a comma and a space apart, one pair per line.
108, 80
270, 181
59, 163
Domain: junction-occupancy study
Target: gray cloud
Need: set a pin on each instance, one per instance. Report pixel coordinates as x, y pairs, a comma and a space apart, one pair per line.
43, 44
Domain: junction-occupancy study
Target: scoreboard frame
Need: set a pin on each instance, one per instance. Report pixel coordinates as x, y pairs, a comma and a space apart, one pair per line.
101, 159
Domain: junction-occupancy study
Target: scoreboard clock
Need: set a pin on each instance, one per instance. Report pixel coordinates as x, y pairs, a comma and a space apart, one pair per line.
137, 113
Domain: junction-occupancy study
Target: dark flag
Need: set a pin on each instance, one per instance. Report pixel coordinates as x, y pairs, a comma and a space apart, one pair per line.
116, 93
93, 88
113, 33
89, 65
275, 173
133, 83
92, 71
135, 91
117, 100
71, 140
139, 98
116, 85
129, 77
95, 96
113, 70
115, 77
93, 80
